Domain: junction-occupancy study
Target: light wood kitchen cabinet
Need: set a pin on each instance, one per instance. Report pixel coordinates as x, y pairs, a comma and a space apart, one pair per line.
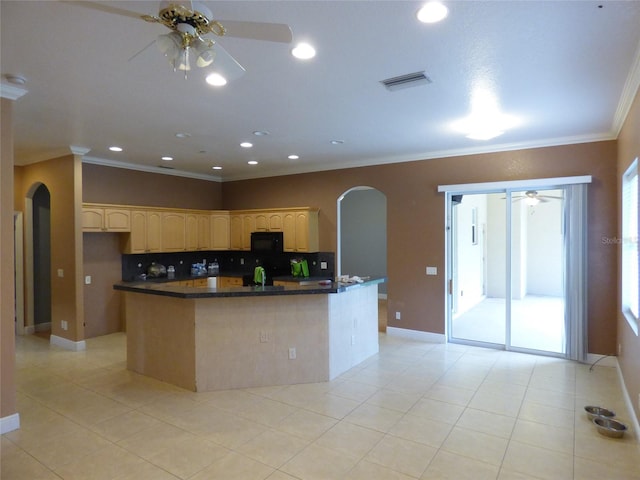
220, 235
301, 231
173, 232
242, 224
146, 232
248, 226
199, 282
198, 231
236, 232
104, 219
191, 232
224, 282
306, 231
268, 222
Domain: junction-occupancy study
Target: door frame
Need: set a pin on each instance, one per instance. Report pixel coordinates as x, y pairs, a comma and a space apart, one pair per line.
506, 187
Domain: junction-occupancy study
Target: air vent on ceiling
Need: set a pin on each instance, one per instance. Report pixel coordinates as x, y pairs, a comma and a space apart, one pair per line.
406, 81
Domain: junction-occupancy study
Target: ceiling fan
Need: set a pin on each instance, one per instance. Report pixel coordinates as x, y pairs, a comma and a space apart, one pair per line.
187, 44
532, 197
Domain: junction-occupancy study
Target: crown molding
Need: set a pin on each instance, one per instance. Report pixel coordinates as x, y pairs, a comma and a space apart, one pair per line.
77, 150
148, 169
629, 92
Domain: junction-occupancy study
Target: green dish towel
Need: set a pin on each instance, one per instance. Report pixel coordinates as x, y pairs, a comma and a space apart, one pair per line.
258, 275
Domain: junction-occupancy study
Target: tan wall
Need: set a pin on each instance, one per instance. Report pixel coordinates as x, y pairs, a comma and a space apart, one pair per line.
63, 178
415, 220
131, 187
629, 357
7, 338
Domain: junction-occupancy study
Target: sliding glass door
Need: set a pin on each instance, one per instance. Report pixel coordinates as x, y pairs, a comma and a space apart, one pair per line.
478, 258
507, 264
537, 320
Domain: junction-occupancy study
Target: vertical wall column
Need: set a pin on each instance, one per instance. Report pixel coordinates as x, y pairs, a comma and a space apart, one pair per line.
9, 417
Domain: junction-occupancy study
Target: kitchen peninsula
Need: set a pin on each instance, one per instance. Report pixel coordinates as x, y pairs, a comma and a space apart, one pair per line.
206, 339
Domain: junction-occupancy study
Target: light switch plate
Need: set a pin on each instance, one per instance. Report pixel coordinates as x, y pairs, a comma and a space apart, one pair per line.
60, 273
87, 280
323, 265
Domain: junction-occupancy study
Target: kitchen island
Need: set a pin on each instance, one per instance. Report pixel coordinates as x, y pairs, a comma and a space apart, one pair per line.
206, 339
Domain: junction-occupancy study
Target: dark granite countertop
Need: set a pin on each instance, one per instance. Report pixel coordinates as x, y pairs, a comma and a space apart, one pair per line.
164, 288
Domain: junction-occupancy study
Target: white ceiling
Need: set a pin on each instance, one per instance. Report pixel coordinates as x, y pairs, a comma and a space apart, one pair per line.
567, 70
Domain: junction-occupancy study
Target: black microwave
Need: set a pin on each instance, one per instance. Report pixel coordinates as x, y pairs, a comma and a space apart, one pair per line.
267, 242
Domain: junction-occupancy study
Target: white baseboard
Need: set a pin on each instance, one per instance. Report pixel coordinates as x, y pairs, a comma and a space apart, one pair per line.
603, 360
9, 423
29, 330
67, 344
627, 398
417, 335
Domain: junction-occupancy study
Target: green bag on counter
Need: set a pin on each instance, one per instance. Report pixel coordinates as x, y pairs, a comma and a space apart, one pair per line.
299, 268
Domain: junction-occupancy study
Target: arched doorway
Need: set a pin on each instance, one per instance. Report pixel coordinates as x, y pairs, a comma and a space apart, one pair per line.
362, 238
38, 259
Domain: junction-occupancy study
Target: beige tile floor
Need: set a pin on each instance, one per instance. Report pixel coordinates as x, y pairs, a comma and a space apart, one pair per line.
415, 411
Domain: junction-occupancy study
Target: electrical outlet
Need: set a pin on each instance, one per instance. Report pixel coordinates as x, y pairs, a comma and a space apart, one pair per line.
323, 265
242, 261
64, 324
292, 353
398, 315
619, 349
432, 271
60, 273
87, 280
264, 337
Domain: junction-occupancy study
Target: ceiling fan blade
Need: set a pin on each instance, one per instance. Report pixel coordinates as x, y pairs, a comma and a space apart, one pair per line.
226, 65
271, 32
104, 8
551, 196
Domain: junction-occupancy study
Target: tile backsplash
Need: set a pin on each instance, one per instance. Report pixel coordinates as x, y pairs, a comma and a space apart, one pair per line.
230, 262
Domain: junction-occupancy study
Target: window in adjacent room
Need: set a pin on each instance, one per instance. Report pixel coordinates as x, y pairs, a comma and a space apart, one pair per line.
630, 306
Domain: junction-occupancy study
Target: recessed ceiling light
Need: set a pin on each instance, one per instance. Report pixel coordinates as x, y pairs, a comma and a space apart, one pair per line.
293, 157
217, 167
115, 149
432, 12
216, 80
260, 133
183, 135
303, 51
252, 162
337, 142
168, 159
246, 144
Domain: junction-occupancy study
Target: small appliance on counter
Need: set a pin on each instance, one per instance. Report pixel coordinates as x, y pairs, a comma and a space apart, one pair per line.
213, 270
156, 270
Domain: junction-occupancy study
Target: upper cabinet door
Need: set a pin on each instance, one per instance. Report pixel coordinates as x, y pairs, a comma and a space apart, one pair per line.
204, 232
117, 220
173, 232
220, 235
92, 219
